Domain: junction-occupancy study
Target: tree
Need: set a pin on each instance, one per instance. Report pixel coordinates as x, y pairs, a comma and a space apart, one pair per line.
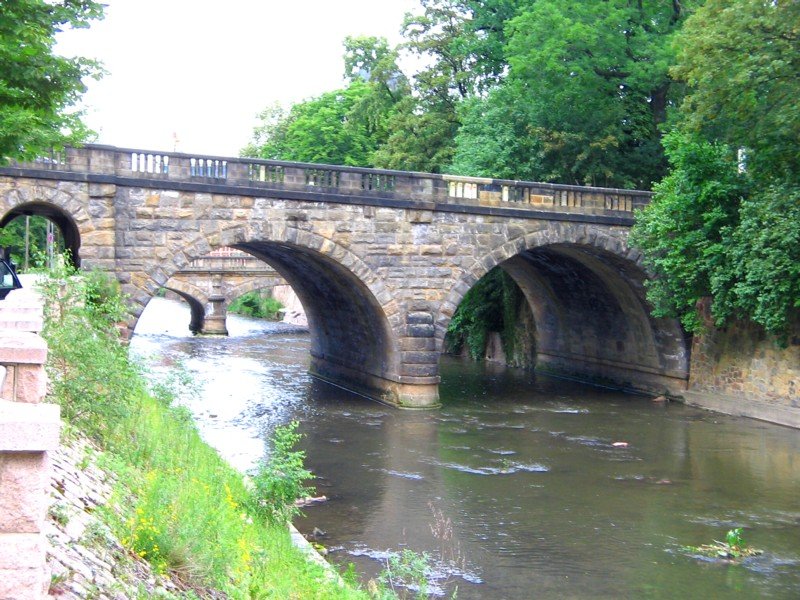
37, 87
741, 59
344, 126
685, 231
318, 130
494, 139
595, 75
719, 226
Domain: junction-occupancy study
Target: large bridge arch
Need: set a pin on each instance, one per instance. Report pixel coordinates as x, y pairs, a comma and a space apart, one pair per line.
354, 321
585, 288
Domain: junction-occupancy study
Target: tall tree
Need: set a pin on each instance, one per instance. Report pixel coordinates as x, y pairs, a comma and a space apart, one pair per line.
730, 229
344, 126
595, 75
317, 130
38, 87
741, 59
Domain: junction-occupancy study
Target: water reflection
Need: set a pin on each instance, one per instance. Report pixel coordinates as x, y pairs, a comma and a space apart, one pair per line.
520, 487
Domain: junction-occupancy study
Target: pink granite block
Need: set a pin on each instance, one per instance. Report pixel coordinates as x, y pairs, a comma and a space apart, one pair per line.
24, 477
22, 347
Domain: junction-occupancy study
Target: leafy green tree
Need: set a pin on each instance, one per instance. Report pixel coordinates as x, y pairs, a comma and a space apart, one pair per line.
721, 226
38, 87
421, 131
344, 126
741, 59
685, 229
595, 75
494, 139
12, 237
317, 130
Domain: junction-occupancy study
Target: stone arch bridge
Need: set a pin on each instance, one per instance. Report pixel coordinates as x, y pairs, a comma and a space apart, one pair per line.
379, 259
210, 283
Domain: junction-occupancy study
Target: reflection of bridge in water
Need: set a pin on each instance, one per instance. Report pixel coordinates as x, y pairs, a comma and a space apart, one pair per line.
210, 283
379, 259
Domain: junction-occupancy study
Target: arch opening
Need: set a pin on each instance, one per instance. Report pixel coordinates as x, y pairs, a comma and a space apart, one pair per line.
33, 217
589, 320
197, 309
351, 341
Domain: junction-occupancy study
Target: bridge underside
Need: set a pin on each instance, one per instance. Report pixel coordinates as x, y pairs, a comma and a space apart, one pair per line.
593, 322
352, 344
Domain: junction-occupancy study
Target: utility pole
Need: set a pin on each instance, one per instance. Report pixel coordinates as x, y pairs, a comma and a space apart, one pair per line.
50, 239
27, 242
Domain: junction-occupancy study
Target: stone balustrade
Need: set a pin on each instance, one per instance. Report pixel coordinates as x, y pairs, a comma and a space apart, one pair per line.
29, 430
353, 181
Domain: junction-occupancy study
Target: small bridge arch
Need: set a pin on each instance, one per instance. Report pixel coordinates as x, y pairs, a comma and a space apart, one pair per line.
60, 217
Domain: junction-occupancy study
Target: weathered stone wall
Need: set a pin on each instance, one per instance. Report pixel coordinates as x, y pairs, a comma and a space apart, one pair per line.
741, 371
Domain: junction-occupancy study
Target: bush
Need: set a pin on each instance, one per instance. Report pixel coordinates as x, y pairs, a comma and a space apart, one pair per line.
280, 481
253, 304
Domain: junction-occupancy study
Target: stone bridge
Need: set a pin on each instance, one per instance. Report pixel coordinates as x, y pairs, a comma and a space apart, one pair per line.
210, 283
379, 259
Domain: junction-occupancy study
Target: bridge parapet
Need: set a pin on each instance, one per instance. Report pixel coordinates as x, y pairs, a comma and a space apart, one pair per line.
352, 181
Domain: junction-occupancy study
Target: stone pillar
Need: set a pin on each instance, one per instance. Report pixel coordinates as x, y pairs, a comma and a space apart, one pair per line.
28, 430
215, 321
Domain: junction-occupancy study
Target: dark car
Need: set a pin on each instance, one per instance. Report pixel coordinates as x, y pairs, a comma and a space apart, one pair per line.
8, 278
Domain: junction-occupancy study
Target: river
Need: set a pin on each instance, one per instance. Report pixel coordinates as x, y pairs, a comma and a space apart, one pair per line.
518, 487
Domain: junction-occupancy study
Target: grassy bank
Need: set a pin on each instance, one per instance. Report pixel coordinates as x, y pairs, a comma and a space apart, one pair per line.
177, 505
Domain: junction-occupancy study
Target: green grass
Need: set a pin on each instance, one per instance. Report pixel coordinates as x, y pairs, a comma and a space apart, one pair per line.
177, 504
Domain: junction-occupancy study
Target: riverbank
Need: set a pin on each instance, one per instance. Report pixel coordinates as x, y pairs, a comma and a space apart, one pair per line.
156, 491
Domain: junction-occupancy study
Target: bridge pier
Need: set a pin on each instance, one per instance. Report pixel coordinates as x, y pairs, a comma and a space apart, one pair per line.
401, 392
215, 321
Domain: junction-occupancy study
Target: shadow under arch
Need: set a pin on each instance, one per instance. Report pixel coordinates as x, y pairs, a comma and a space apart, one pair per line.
61, 219
196, 300
592, 320
351, 338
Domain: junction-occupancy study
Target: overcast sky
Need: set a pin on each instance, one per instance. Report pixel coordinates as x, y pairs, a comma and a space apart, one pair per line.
202, 70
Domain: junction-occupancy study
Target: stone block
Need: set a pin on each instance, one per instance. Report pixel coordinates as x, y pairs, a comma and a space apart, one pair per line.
22, 347
23, 570
27, 584
419, 318
22, 551
23, 497
28, 427
425, 330
24, 383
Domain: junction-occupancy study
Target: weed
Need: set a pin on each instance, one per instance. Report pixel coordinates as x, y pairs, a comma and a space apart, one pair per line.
406, 569
734, 547
59, 513
281, 480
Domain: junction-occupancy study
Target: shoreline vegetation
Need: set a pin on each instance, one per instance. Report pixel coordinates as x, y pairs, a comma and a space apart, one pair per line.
257, 304
176, 503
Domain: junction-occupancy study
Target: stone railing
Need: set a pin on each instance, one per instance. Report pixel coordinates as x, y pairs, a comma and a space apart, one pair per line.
29, 430
274, 174
229, 264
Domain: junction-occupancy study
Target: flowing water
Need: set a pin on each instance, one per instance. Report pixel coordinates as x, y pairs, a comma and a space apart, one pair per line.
518, 487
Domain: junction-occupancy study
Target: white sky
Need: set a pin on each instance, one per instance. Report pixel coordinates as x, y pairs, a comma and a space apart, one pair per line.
203, 69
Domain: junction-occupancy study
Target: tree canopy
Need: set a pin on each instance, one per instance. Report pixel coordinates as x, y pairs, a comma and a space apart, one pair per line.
725, 222
38, 87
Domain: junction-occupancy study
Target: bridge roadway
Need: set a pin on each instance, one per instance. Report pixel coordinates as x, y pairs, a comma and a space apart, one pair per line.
379, 259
